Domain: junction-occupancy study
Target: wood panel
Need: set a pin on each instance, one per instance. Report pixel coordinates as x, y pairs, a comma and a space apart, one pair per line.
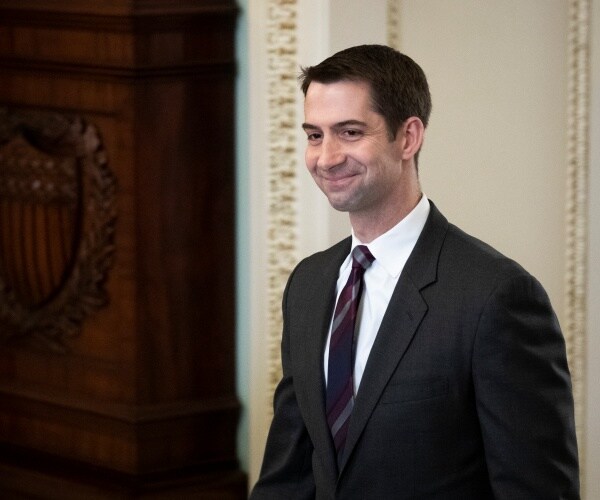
140, 399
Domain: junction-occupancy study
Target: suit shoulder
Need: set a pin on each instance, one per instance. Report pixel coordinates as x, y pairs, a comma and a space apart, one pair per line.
324, 258
317, 270
464, 250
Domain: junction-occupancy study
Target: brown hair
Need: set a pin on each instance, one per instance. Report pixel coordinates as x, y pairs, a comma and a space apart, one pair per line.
398, 85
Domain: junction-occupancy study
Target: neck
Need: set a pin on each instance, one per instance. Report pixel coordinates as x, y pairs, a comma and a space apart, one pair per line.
368, 227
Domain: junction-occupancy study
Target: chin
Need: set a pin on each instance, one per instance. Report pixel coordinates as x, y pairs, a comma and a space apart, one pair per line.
341, 205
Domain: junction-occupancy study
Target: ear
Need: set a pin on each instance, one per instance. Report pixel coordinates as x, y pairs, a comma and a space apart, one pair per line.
412, 132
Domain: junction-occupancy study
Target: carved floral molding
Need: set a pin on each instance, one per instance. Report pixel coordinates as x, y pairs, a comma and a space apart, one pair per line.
575, 329
282, 68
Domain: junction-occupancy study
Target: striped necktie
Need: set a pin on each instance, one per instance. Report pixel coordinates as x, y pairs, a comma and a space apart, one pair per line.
340, 384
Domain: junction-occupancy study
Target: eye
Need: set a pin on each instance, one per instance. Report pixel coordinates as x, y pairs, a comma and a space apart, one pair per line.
351, 134
313, 137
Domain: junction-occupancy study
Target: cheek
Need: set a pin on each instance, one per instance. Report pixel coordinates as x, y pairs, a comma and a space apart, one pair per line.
310, 158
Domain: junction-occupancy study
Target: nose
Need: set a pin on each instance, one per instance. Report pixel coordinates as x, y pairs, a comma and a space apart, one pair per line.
330, 153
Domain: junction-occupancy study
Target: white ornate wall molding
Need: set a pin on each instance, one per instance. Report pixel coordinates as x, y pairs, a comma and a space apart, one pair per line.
576, 208
281, 36
273, 131
393, 23
591, 452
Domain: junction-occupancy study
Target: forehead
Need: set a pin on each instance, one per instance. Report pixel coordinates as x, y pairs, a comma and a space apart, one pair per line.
329, 103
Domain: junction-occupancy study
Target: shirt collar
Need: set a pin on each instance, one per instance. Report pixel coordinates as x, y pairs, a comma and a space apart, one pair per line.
392, 249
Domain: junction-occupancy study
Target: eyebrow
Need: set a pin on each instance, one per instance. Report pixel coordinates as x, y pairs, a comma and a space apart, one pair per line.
345, 123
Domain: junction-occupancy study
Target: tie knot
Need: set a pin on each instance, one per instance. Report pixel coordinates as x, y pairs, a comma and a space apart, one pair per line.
362, 257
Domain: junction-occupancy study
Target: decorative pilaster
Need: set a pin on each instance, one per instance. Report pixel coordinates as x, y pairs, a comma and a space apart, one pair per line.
282, 68
576, 208
393, 23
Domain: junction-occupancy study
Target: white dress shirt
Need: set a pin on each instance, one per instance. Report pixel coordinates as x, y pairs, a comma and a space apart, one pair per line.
391, 251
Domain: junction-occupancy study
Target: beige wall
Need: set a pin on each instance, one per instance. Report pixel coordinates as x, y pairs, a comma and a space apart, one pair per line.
494, 159
495, 151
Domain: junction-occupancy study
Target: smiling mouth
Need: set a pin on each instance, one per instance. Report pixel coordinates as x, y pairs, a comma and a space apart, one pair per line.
339, 180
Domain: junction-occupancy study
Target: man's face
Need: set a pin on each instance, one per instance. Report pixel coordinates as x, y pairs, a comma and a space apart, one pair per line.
349, 152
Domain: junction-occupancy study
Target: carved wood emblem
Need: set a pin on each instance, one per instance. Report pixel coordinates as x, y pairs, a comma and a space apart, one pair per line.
57, 223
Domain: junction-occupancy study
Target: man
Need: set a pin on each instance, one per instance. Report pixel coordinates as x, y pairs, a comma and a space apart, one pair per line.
450, 379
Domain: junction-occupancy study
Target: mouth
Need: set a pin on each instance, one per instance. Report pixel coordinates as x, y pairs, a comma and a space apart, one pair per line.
338, 181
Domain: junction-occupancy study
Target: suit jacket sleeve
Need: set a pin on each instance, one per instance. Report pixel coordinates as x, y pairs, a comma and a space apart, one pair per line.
523, 393
287, 464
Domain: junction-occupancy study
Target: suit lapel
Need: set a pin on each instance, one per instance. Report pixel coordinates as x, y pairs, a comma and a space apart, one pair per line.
400, 323
320, 301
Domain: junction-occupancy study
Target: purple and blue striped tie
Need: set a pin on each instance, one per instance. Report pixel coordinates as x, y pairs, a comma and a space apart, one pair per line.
340, 384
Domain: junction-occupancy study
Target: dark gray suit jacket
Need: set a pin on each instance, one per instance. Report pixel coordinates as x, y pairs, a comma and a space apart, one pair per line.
466, 394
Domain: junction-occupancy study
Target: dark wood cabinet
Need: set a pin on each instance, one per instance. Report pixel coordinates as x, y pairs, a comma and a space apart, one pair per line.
117, 250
